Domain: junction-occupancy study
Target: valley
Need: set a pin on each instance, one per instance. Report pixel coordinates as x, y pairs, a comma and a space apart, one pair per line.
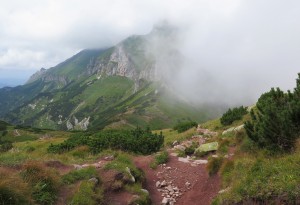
140, 123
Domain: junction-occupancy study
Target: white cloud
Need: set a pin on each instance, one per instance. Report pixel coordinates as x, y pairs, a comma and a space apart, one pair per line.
247, 46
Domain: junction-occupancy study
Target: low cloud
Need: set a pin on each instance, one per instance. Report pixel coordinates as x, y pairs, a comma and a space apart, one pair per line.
235, 49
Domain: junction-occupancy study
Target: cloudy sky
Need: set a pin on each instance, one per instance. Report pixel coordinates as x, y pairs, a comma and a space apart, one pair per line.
248, 45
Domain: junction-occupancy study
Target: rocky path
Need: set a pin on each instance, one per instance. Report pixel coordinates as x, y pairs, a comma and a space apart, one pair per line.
178, 182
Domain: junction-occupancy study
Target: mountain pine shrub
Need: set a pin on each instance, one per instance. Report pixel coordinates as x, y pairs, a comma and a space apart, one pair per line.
232, 115
276, 123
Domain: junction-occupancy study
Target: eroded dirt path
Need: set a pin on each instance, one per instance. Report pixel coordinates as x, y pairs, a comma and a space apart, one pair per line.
194, 184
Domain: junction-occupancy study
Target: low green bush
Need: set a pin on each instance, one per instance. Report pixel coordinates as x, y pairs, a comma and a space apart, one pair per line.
184, 126
232, 115
138, 141
5, 146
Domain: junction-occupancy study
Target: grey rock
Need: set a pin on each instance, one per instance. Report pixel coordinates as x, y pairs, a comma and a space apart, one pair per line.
132, 179
94, 180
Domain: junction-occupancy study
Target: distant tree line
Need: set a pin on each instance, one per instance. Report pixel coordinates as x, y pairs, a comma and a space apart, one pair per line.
275, 124
184, 126
232, 115
137, 140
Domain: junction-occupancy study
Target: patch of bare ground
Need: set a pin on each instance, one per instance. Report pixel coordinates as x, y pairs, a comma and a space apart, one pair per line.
194, 185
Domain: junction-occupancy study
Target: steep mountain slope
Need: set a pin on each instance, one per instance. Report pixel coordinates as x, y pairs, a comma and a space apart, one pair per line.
122, 86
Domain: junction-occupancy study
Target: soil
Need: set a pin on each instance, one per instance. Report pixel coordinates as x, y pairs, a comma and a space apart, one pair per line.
202, 188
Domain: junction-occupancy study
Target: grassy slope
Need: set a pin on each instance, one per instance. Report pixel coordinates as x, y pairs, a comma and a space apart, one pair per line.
257, 176
75, 65
34, 151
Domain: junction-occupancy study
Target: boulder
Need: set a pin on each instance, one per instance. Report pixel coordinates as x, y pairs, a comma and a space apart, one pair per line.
94, 180
163, 184
208, 147
175, 143
145, 191
131, 177
179, 147
165, 201
182, 159
233, 129
199, 161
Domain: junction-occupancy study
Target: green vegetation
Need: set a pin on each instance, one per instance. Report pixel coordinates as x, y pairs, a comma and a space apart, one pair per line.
275, 123
138, 141
232, 115
5, 145
255, 176
184, 126
191, 149
171, 135
87, 194
13, 190
160, 158
120, 163
214, 164
44, 182
81, 174
264, 179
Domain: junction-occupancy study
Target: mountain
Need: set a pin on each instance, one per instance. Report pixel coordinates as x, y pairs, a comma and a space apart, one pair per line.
122, 86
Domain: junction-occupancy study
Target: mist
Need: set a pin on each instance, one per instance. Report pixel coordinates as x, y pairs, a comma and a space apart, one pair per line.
224, 52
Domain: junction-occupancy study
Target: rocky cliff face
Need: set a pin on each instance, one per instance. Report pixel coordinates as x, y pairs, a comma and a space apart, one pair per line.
37, 75
128, 85
151, 57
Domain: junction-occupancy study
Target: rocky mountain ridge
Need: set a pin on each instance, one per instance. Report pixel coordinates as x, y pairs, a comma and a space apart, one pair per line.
121, 86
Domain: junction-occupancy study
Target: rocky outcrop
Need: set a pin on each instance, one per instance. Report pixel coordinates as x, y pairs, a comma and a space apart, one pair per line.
120, 63
233, 129
78, 125
37, 75
47, 77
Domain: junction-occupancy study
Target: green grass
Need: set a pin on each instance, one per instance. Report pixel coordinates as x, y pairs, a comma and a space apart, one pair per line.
143, 199
44, 182
160, 158
172, 135
87, 194
22, 138
254, 175
213, 165
217, 126
13, 190
81, 174
38, 150
263, 179
122, 161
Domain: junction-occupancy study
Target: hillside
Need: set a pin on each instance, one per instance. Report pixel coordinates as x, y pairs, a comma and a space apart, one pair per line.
122, 86
236, 159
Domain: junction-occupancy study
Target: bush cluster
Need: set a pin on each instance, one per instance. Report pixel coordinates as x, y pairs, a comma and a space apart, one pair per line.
4, 144
232, 115
184, 126
276, 123
137, 141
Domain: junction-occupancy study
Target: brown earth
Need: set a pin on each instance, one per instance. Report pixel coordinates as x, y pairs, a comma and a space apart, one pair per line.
202, 188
